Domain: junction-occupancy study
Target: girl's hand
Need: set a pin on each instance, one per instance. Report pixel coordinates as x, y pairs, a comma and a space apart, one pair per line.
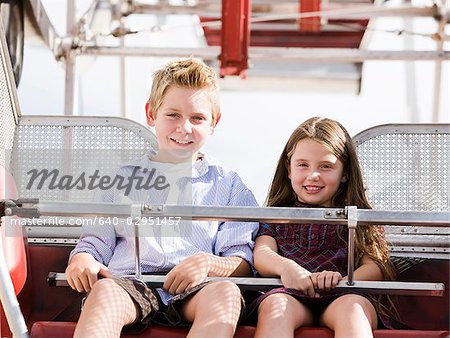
325, 280
83, 270
189, 273
295, 277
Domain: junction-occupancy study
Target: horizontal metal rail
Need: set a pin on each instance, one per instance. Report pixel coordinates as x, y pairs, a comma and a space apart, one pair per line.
248, 214
249, 283
275, 54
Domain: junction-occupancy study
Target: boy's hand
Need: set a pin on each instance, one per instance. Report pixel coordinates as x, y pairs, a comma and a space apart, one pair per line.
83, 270
295, 277
189, 273
325, 280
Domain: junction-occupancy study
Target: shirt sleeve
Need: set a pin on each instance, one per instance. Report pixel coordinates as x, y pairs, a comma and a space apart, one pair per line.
236, 239
98, 237
266, 230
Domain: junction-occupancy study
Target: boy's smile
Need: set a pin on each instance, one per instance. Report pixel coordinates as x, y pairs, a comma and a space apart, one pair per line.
315, 173
182, 124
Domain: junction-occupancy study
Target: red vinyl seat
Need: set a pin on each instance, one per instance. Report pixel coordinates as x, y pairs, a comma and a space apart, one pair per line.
13, 245
66, 329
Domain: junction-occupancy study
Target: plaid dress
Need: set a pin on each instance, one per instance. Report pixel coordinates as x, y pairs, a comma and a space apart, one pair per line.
315, 247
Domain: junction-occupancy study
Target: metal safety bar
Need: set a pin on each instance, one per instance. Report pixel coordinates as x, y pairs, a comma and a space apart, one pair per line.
256, 283
338, 216
349, 216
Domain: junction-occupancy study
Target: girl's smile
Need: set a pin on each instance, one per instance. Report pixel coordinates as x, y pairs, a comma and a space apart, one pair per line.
315, 173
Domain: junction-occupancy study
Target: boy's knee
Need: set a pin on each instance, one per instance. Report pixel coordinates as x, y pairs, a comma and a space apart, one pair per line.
223, 291
104, 288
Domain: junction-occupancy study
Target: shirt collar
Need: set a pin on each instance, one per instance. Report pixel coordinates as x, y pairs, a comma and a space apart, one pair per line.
199, 168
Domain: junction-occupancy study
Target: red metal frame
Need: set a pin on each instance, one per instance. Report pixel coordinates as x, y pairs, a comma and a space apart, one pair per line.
294, 38
235, 37
311, 24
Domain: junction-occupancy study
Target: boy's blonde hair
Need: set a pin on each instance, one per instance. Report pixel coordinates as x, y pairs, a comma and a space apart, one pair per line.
189, 73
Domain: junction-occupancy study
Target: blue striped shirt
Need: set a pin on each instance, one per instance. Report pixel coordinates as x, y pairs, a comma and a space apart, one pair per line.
162, 246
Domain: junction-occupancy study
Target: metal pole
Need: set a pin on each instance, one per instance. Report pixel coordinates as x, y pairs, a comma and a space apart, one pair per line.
352, 220
438, 73
123, 79
9, 301
136, 214
69, 88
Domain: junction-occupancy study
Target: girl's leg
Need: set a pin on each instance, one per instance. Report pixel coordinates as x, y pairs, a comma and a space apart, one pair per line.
107, 309
214, 310
350, 316
279, 315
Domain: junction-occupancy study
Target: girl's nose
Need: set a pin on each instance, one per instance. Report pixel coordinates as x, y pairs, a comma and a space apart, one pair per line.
313, 176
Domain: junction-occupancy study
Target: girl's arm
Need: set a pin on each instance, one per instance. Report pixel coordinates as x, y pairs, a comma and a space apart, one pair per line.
327, 280
270, 264
368, 270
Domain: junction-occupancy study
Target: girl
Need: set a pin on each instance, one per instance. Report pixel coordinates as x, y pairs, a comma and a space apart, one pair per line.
317, 168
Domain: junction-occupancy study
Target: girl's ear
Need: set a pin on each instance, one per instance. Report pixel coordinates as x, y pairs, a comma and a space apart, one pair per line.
149, 115
344, 179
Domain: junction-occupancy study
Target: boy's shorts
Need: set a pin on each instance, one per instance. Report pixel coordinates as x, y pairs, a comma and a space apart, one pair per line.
155, 307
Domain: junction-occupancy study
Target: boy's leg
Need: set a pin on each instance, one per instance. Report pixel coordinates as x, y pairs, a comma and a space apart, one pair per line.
350, 316
107, 309
214, 310
280, 314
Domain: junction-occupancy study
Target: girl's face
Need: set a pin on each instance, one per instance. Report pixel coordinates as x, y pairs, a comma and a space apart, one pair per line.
315, 173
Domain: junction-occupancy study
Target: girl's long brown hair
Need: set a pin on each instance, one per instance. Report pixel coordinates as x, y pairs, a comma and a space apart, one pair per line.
370, 240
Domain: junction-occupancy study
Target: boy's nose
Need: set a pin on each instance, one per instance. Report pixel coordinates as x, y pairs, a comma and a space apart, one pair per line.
185, 127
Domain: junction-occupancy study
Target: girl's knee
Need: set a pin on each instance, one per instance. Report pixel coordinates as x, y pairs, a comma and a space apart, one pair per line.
351, 301
355, 305
273, 305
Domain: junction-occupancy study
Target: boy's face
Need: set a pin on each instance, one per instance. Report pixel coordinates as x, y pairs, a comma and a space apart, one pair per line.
182, 123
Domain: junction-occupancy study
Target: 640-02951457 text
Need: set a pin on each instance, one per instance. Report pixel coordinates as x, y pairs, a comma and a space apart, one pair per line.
103, 220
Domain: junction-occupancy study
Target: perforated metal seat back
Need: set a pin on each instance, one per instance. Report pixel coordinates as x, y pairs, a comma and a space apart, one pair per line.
406, 167
8, 103
73, 159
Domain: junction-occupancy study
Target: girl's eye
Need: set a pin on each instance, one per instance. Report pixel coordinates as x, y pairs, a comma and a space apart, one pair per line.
327, 166
304, 165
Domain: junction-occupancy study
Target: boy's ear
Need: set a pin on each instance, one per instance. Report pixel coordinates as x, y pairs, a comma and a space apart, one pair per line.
149, 115
219, 115
214, 124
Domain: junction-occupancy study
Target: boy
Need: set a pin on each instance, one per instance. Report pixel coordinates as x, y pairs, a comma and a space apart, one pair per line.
184, 110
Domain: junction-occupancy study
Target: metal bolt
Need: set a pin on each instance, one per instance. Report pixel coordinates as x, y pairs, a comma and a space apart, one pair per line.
8, 212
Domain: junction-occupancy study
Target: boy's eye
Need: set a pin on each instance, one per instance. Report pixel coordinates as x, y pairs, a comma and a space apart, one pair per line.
172, 115
198, 118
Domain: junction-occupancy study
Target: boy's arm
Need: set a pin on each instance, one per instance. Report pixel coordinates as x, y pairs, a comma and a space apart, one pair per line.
236, 239
194, 270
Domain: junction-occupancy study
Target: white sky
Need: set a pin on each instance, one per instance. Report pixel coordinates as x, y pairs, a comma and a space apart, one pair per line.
255, 124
